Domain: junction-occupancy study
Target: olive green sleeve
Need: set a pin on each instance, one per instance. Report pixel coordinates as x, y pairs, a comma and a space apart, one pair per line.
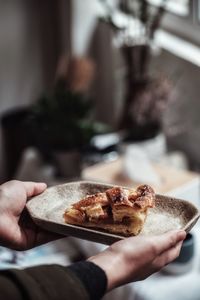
42, 283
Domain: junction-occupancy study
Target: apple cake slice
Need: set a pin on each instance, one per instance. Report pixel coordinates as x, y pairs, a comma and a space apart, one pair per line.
117, 210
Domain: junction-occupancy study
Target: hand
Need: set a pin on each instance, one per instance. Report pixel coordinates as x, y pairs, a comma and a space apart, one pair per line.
136, 258
17, 230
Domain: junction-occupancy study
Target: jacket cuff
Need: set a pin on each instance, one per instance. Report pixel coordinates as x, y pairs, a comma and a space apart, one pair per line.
93, 278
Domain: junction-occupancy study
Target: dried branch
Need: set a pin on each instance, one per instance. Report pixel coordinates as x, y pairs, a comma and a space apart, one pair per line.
157, 19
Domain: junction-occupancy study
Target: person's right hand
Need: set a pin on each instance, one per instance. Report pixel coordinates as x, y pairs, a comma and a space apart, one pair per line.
136, 258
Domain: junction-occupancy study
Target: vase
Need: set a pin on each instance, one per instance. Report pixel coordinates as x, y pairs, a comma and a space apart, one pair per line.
137, 59
135, 120
146, 96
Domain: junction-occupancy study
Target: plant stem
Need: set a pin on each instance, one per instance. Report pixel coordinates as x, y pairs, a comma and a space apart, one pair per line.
157, 19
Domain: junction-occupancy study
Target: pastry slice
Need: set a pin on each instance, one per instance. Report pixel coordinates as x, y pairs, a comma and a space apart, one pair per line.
117, 210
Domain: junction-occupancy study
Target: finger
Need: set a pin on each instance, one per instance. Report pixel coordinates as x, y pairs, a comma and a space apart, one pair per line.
168, 240
168, 256
34, 188
32, 235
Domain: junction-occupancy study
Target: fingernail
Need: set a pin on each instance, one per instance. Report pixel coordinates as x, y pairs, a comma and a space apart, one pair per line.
42, 183
181, 234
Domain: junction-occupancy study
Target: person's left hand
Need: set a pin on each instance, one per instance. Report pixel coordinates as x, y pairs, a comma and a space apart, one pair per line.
136, 258
17, 230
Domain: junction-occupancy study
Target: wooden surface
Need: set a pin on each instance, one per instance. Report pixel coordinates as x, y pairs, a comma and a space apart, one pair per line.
111, 172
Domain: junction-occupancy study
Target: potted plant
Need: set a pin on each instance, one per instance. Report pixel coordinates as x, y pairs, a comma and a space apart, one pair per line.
61, 121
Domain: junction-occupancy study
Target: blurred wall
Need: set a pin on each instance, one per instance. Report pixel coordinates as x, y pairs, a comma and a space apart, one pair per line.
84, 21
92, 37
33, 34
182, 122
20, 61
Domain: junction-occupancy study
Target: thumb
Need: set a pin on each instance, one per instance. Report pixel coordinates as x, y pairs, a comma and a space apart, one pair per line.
168, 240
34, 188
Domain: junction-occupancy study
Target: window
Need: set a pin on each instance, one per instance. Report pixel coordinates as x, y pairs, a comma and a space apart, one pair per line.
178, 7
182, 18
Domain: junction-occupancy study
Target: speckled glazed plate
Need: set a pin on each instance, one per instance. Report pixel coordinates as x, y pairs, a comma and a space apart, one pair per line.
47, 211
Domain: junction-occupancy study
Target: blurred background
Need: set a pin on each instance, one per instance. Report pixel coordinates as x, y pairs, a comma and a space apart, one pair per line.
134, 66
140, 61
104, 90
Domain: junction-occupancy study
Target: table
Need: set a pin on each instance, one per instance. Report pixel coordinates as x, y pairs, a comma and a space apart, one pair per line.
173, 181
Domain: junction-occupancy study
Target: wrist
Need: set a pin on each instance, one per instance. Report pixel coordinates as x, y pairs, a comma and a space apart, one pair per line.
112, 263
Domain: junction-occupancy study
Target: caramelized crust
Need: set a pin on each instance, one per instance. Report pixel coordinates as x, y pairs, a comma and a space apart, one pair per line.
145, 197
145, 190
116, 210
118, 196
95, 212
99, 198
74, 216
144, 202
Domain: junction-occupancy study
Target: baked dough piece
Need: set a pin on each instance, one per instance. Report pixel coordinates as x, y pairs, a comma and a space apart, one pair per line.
117, 210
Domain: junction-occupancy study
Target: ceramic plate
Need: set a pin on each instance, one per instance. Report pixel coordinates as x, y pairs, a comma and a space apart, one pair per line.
47, 211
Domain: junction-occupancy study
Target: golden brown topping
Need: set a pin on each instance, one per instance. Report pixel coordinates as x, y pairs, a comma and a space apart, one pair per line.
144, 202
145, 190
133, 195
117, 204
143, 197
94, 211
118, 196
92, 199
73, 215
